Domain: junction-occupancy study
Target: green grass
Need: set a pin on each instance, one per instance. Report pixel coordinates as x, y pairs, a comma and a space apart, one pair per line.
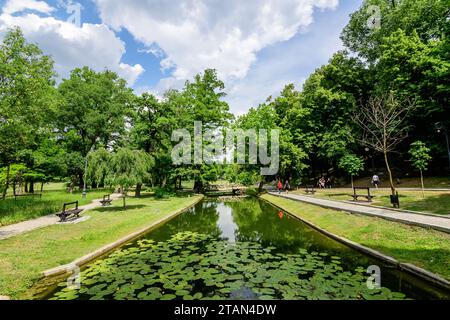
434, 202
422, 247
12, 211
24, 257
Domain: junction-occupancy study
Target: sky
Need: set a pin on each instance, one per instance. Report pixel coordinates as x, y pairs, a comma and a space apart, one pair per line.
256, 46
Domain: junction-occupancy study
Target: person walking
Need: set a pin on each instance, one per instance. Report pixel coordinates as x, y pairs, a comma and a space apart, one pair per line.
279, 186
287, 186
375, 180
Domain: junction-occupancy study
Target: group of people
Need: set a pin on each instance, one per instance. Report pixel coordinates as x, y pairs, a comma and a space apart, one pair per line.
325, 183
286, 186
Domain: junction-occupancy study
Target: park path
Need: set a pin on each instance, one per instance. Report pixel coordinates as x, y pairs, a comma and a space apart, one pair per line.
423, 220
26, 226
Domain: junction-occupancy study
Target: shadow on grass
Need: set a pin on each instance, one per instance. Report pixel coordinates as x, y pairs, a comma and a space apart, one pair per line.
118, 209
437, 204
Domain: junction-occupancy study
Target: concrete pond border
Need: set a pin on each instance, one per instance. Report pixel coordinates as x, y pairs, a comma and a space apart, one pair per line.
407, 267
68, 268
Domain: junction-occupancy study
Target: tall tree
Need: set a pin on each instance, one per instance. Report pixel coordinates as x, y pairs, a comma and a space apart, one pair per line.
383, 125
202, 100
26, 95
94, 110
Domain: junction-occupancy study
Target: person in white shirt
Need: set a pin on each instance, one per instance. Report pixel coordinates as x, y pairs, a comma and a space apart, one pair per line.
375, 180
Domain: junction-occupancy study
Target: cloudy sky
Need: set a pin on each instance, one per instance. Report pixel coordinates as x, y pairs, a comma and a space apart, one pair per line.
257, 46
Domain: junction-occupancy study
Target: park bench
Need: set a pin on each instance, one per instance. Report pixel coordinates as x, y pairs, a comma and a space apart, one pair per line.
310, 189
28, 195
71, 212
355, 194
106, 200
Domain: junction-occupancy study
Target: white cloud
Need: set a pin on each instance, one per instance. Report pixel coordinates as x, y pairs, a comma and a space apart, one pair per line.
200, 34
225, 35
93, 45
14, 6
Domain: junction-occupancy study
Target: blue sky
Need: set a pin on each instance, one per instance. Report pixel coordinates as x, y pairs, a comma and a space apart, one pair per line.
257, 46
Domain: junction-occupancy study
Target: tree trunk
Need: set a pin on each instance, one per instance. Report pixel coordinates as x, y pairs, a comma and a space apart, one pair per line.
123, 196
5, 190
26, 187
353, 186
31, 188
42, 187
138, 190
391, 181
198, 186
423, 186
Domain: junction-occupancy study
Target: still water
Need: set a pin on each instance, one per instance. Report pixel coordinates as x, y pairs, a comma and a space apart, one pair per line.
247, 249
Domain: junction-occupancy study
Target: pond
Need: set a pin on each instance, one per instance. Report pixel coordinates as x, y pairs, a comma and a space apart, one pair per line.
245, 249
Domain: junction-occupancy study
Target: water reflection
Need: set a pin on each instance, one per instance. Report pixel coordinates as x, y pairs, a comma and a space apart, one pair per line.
254, 220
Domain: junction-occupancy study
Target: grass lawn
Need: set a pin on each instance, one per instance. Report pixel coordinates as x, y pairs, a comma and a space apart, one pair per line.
12, 211
437, 202
422, 247
24, 257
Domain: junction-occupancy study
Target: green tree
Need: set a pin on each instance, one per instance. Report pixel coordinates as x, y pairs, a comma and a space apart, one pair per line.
94, 109
351, 164
99, 163
127, 168
420, 157
26, 96
202, 100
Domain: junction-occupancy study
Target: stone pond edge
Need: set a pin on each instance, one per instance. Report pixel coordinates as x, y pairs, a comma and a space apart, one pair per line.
407, 267
67, 268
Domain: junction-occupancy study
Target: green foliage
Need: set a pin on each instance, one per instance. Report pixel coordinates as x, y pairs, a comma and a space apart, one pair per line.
163, 193
420, 155
27, 97
351, 164
127, 168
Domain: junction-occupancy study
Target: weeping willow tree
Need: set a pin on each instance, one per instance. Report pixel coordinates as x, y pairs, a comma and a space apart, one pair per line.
98, 167
127, 169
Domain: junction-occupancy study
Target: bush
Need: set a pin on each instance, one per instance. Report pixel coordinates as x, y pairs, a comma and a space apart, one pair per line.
163, 193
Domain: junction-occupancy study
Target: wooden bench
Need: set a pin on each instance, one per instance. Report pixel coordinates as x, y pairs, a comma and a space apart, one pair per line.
355, 194
106, 200
310, 189
27, 195
71, 212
